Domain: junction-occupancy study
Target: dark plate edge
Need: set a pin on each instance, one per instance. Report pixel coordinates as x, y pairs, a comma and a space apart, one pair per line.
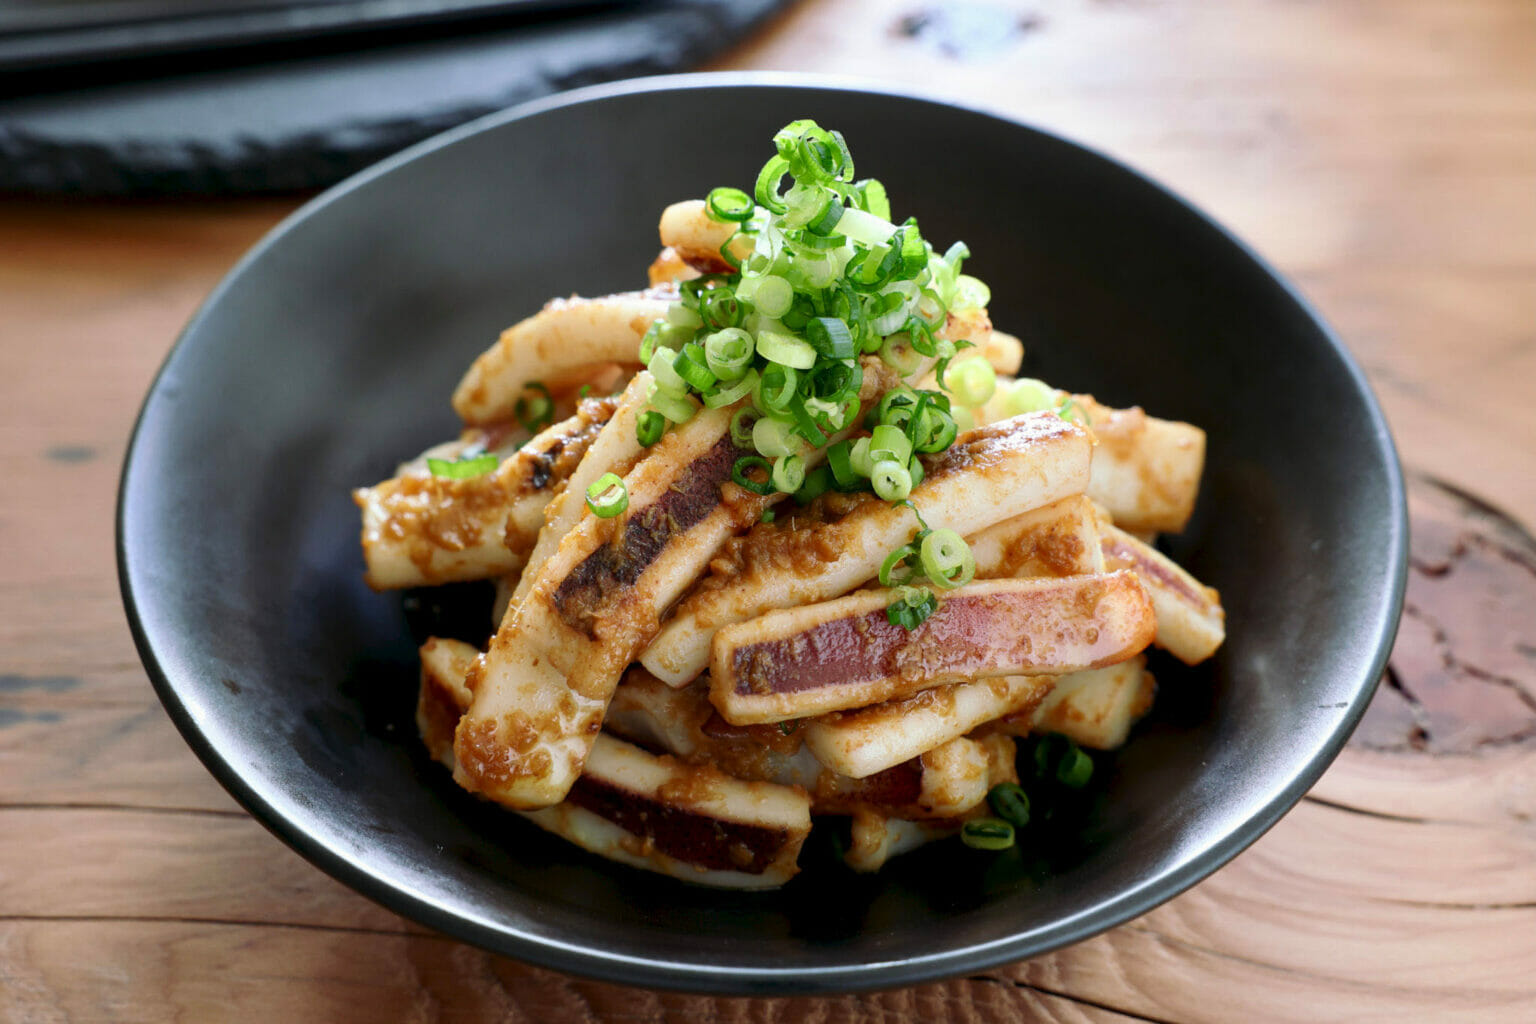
743, 979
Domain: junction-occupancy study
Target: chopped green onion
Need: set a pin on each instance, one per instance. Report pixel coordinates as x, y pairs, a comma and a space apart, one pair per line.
899, 355
964, 418
649, 427
772, 296
767, 188
741, 426
649, 343
973, 382
535, 412
872, 198
1010, 802
839, 460
719, 307
915, 467
865, 227
729, 204
776, 386
970, 293
817, 482
987, 834
912, 608
767, 516
830, 336
730, 394
1029, 395
858, 458
750, 462
901, 558
690, 365
785, 349
728, 353
774, 438
888, 442
1068, 409
947, 559
663, 367
788, 473
466, 468
891, 480
679, 315
607, 496
677, 408
1075, 768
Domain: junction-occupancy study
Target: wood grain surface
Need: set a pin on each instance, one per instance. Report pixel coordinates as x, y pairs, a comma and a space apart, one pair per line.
1382, 152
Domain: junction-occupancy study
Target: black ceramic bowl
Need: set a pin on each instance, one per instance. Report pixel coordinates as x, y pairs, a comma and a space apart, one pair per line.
330, 351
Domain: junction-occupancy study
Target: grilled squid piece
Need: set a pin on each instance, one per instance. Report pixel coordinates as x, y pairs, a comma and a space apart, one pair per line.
1146, 471
986, 475
945, 779
863, 742
845, 653
692, 822
1095, 707
1059, 539
614, 450
687, 229
669, 268
875, 838
541, 691
561, 344
420, 529
1191, 623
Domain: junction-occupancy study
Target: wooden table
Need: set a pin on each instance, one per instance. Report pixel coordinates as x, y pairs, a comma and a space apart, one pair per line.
1382, 152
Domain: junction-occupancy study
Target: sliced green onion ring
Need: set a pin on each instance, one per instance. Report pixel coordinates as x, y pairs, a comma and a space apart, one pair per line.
728, 353
463, 468
785, 349
890, 480
899, 558
729, 204
741, 426
649, 427
947, 559
987, 834
788, 473
1010, 802
607, 496
677, 408
744, 465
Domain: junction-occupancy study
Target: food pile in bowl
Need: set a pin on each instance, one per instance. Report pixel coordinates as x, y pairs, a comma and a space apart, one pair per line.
783, 538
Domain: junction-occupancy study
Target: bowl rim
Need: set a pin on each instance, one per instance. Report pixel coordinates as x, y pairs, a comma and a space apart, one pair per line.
584, 960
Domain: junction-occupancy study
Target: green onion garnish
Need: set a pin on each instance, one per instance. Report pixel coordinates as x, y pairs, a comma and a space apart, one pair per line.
987, 834
1010, 802
607, 496
750, 462
911, 608
466, 468
536, 411
973, 382
822, 274
649, 427
1075, 768
947, 558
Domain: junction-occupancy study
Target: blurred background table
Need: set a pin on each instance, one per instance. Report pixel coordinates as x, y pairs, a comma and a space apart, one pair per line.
1381, 152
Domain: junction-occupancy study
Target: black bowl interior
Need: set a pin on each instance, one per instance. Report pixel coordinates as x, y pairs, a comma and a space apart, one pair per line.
330, 352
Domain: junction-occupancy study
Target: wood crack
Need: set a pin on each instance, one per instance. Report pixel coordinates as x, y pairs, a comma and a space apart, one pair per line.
1070, 997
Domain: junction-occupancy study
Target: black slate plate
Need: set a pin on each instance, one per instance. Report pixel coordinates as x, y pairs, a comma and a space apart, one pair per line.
305, 115
331, 350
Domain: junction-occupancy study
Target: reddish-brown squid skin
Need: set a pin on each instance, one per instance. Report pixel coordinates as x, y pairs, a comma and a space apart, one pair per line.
845, 653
